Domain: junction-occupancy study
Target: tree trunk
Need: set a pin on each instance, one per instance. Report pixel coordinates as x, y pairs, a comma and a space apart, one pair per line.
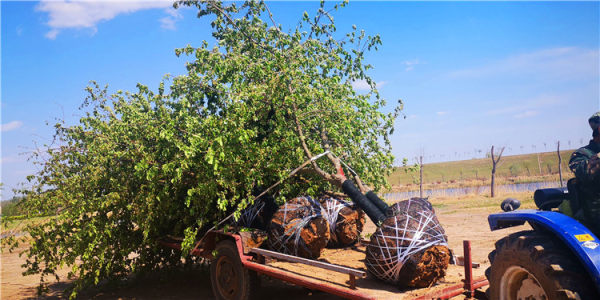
539, 163
559, 163
493, 173
493, 182
494, 163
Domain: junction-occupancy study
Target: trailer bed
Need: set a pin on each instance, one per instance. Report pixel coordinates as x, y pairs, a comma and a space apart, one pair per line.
354, 258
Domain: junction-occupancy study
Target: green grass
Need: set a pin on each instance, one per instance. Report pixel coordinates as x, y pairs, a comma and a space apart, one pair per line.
20, 224
450, 205
520, 168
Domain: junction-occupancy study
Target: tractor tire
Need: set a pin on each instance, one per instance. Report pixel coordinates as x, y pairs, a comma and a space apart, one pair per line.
228, 277
533, 265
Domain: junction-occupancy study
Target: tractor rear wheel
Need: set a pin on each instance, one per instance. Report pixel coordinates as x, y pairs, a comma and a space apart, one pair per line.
533, 265
229, 279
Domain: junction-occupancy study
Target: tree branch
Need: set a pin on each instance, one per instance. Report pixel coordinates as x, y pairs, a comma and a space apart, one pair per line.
336, 161
232, 23
300, 133
336, 179
271, 16
499, 155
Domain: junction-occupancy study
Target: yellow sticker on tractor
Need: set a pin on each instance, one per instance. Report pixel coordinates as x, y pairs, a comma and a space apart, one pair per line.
584, 237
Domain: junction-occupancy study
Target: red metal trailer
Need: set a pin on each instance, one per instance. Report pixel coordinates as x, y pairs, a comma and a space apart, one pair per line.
236, 262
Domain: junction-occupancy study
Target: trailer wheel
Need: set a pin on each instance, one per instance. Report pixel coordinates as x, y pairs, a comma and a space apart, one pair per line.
531, 265
228, 277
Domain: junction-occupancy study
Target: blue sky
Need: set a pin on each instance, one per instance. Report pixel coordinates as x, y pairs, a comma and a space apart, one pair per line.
472, 74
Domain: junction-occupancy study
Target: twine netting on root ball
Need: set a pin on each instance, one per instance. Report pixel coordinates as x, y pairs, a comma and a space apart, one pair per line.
250, 215
410, 248
346, 221
259, 214
299, 228
414, 204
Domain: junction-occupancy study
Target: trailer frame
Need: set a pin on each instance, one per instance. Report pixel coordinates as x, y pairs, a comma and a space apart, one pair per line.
254, 259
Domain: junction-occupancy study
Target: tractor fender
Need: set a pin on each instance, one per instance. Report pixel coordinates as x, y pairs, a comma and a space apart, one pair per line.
578, 238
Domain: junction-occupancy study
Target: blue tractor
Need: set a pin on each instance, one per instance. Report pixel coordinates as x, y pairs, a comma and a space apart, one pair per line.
558, 259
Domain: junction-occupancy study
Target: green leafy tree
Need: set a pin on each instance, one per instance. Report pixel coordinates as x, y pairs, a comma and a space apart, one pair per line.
10, 208
515, 169
140, 165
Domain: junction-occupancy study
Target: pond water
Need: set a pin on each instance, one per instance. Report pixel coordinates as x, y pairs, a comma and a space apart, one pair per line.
452, 192
11, 233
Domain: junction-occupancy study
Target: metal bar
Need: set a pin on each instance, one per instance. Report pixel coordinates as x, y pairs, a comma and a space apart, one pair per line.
274, 185
469, 290
310, 262
352, 281
453, 291
177, 246
481, 283
306, 282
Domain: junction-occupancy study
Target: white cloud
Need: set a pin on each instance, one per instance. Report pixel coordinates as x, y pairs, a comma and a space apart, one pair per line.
530, 105
441, 113
19, 30
52, 34
64, 14
564, 63
169, 21
362, 85
527, 114
410, 64
11, 126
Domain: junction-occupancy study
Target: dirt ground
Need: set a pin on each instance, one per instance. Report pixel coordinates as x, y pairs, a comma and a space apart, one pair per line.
460, 222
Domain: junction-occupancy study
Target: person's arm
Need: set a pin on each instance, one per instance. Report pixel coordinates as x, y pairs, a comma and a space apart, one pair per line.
594, 167
584, 164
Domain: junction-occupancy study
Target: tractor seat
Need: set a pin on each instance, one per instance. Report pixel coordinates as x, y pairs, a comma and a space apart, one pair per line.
547, 199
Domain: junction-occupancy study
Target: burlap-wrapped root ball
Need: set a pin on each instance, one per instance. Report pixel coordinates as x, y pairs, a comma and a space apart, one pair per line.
410, 247
346, 221
299, 228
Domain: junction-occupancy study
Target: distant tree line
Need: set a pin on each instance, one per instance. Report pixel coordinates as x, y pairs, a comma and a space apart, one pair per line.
10, 207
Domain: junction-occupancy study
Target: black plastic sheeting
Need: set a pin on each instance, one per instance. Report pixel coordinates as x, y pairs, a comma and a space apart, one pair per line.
372, 211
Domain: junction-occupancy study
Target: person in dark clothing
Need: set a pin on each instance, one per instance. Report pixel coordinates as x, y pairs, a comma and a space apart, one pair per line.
585, 164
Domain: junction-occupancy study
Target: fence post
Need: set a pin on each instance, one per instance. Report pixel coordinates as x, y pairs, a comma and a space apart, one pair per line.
421, 176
